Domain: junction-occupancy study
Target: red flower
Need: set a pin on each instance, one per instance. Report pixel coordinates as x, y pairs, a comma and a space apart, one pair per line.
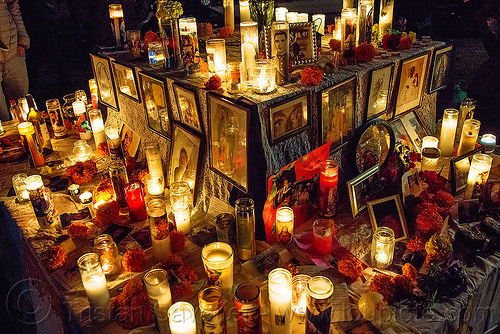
78, 229
226, 32
311, 75
429, 222
383, 284
390, 42
82, 172
351, 268
215, 82
134, 260
335, 44
405, 43
177, 241
107, 213
415, 245
410, 271
365, 52
132, 308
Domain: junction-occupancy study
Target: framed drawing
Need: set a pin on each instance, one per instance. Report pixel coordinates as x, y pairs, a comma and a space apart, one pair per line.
184, 156
154, 100
415, 129
338, 105
411, 83
388, 212
360, 188
441, 65
459, 170
126, 81
188, 107
380, 89
106, 88
130, 140
227, 140
288, 118
302, 43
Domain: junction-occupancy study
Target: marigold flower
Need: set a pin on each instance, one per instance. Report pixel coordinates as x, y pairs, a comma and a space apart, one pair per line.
107, 213
132, 308
383, 284
311, 75
331, 28
82, 172
365, 52
56, 257
390, 42
405, 43
335, 44
351, 268
410, 271
225, 32
438, 248
177, 241
78, 229
134, 260
215, 82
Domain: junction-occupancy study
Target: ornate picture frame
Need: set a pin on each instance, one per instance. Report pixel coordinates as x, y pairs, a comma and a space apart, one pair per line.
380, 80
105, 82
359, 189
302, 43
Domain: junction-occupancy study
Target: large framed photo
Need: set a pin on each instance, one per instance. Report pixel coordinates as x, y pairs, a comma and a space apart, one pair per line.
228, 137
155, 104
388, 212
288, 118
301, 39
337, 111
411, 83
106, 88
184, 156
188, 107
360, 188
459, 170
126, 81
415, 129
441, 65
380, 88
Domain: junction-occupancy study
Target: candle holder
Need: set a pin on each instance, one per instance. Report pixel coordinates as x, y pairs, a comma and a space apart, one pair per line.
348, 35
94, 282
249, 45
169, 33
180, 193
448, 129
382, 251
156, 282
489, 142
430, 141
385, 18
430, 159
31, 143
156, 55
189, 46
160, 228
81, 150
225, 228
235, 77
280, 13
228, 13
303, 17
319, 304
97, 123
365, 22
22, 194
119, 178
264, 76
117, 24
80, 95
182, 215
114, 142
218, 262
154, 186
94, 92
182, 319
41, 200
328, 181
245, 228
134, 194
280, 50
323, 236
247, 302
211, 302
280, 300
106, 249
292, 17
478, 173
284, 225
216, 57
86, 200
153, 157
74, 189
470, 130
467, 107
56, 118
299, 294
82, 123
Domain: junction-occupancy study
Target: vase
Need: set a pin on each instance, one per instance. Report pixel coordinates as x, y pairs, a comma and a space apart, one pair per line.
169, 33
262, 12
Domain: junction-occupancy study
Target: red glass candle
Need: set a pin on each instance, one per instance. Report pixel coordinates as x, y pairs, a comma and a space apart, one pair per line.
328, 180
323, 236
134, 194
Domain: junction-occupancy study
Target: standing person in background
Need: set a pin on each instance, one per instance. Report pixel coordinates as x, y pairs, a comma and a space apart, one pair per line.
15, 41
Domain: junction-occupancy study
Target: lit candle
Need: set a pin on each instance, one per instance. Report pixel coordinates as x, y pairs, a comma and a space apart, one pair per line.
264, 76
134, 194
478, 173
97, 123
31, 143
302, 17
328, 181
93, 92
154, 185
119, 178
116, 16
82, 123
291, 17
156, 55
382, 251
22, 194
216, 57
381, 102
448, 128
323, 236
182, 319
158, 289
182, 217
385, 18
81, 151
338, 29
281, 13
467, 107
153, 157
94, 282
249, 45
114, 142
211, 302
365, 21
284, 225
430, 141
160, 228
319, 292
348, 38
468, 138
56, 118
489, 142
218, 262
299, 294
41, 200
106, 248
235, 77
430, 159
319, 23
228, 13
247, 302
244, 11
280, 299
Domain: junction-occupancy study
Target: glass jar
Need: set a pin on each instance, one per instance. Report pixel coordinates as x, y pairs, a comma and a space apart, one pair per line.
489, 141
106, 249
280, 300
365, 22
19, 186
160, 228
216, 57
180, 194
134, 194
225, 228
153, 157
97, 123
218, 260
348, 35
299, 294
467, 107
468, 139
319, 301
264, 76
245, 228
94, 282
119, 178
284, 225
154, 185
114, 142
328, 181
383, 243
56, 118
68, 111
448, 129
235, 77
478, 173
211, 302
80, 95
41, 200
156, 55
262, 13
247, 302
385, 18
323, 236
156, 282
430, 159
169, 33
190, 52
182, 319
81, 150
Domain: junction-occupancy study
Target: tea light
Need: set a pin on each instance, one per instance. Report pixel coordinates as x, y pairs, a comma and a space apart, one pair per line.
86, 200
116, 16
81, 151
218, 260
382, 251
31, 143
97, 123
302, 17
365, 21
109, 257
430, 141
244, 11
292, 17
280, 300
299, 293
229, 13
328, 181
284, 225
94, 282
319, 23
280, 13
158, 289
489, 142
319, 292
182, 319
478, 173
134, 194
156, 55
264, 76
22, 194
448, 129
93, 92
385, 18
182, 216
216, 57
468, 138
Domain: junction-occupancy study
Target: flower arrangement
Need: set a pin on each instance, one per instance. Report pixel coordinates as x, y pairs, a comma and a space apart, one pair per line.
180, 275
56, 257
311, 75
365, 52
351, 268
226, 32
132, 308
416, 244
102, 149
82, 172
215, 82
134, 260
177, 241
78, 229
107, 213
383, 284
405, 43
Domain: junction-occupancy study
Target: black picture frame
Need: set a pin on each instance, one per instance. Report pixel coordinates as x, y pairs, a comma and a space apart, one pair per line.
360, 184
101, 68
283, 115
119, 70
385, 74
384, 207
189, 96
439, 77
458, 174
415, 129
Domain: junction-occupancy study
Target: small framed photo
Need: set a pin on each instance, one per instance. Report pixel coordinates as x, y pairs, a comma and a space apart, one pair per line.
401, 135
106, 88
441, 66
411, 83
184, 156
130, 140
288, 118
459, 170
188, 107
415, 129
388, 212
338, 104
360, 188
227, 140
126, 81
301, 40
155, 104
380, 90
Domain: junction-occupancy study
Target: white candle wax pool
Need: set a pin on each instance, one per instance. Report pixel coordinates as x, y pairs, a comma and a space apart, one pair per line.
182, 217
430, 141
97, 291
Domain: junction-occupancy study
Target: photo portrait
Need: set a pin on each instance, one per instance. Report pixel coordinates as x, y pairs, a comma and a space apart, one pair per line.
288, 118
184, 155
459, 170
130, 141
388, 212
155, 105
126, 82
106, 89
441, 69
414, 128
411, 83
302, 43
187, 107
380, 88
360, 189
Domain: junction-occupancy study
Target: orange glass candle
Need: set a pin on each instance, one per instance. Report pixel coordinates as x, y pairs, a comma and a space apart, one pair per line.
328, 181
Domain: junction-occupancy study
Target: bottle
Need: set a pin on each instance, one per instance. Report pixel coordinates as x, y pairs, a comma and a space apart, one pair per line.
47, 145
15, 111
40, 130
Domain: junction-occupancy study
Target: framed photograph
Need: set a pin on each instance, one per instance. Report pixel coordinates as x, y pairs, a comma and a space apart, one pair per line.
401, 135
388, 212
188, 107
126, 81
184, 156
338, 104
441, 65
130, 140
414, 128
380, 89
459, 170
360, 188
227, 140
105, 87
411, 83
302, 43
288, 118
411, 184
154, 100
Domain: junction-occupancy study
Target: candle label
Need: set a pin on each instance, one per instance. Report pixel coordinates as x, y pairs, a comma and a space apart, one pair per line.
83, 124
249, 318
43, 206
190, 52
213, 322
57, 120
160, 227
318, 314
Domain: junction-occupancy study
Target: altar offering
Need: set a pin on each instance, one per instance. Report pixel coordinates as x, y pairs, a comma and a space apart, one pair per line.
94, 282
218, 262
106, 249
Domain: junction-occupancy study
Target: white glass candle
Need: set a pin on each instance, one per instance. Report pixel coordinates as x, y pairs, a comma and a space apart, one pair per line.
249, 45
319, 298
470, 130
302, 17
97, 123
154, 185
153, 157
94, 282
182, 319
182, 216
244, 11
189, 40
160, 228
280, 13
478, 173
489, 142
264, 76
430, 141
291, 17
216, 57
82, 123
284, 225
218, 260
448, 129
116, 16
158, 289
467, 107
280, 299
382, 251
228, 13
93, 92
319, 23
385, 18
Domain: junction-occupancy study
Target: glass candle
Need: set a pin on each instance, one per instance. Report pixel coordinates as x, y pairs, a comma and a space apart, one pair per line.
216, 56
328, 181
189, 45
247, 301
56, 118
319, 304
280, 50
323, 236
106, 249
86, 200
448, 129
218, 262
180, 193
93, 92
280, 300
229, 13
134, 42
153, 157
119, 178
74, 189
41, 200
154, 185
235, 77
156, 55
430, 159
160, 228
470, 130
302, 17
467, 107
319, 23
117, 23
80, 95
97, 123
22, 194
31, 143
211, 302
182, 215
182, 319
280, 13
114, 142
225, 228
81, 150
489, 142
284, 225
82, 122
244, 11
382, 251
337, 34
134, 194
292, 17
385, 18
264, 76
430, 141
156, 282
249, 45
348, 35
478, 173
365, 21
245, 228
94, 282
169, 33
299, 293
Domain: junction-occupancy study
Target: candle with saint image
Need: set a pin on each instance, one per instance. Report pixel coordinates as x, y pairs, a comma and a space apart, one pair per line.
280, 13
365, 22
93, 92
284, 225
478, 173
382, 251
218, 260
116, 16
82, 122
319, 304
94, 282
280, 299
228, 13
323, 236
448, 129
244, 11
97, 123
328, 180
468, 138
182, 318
182, 216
